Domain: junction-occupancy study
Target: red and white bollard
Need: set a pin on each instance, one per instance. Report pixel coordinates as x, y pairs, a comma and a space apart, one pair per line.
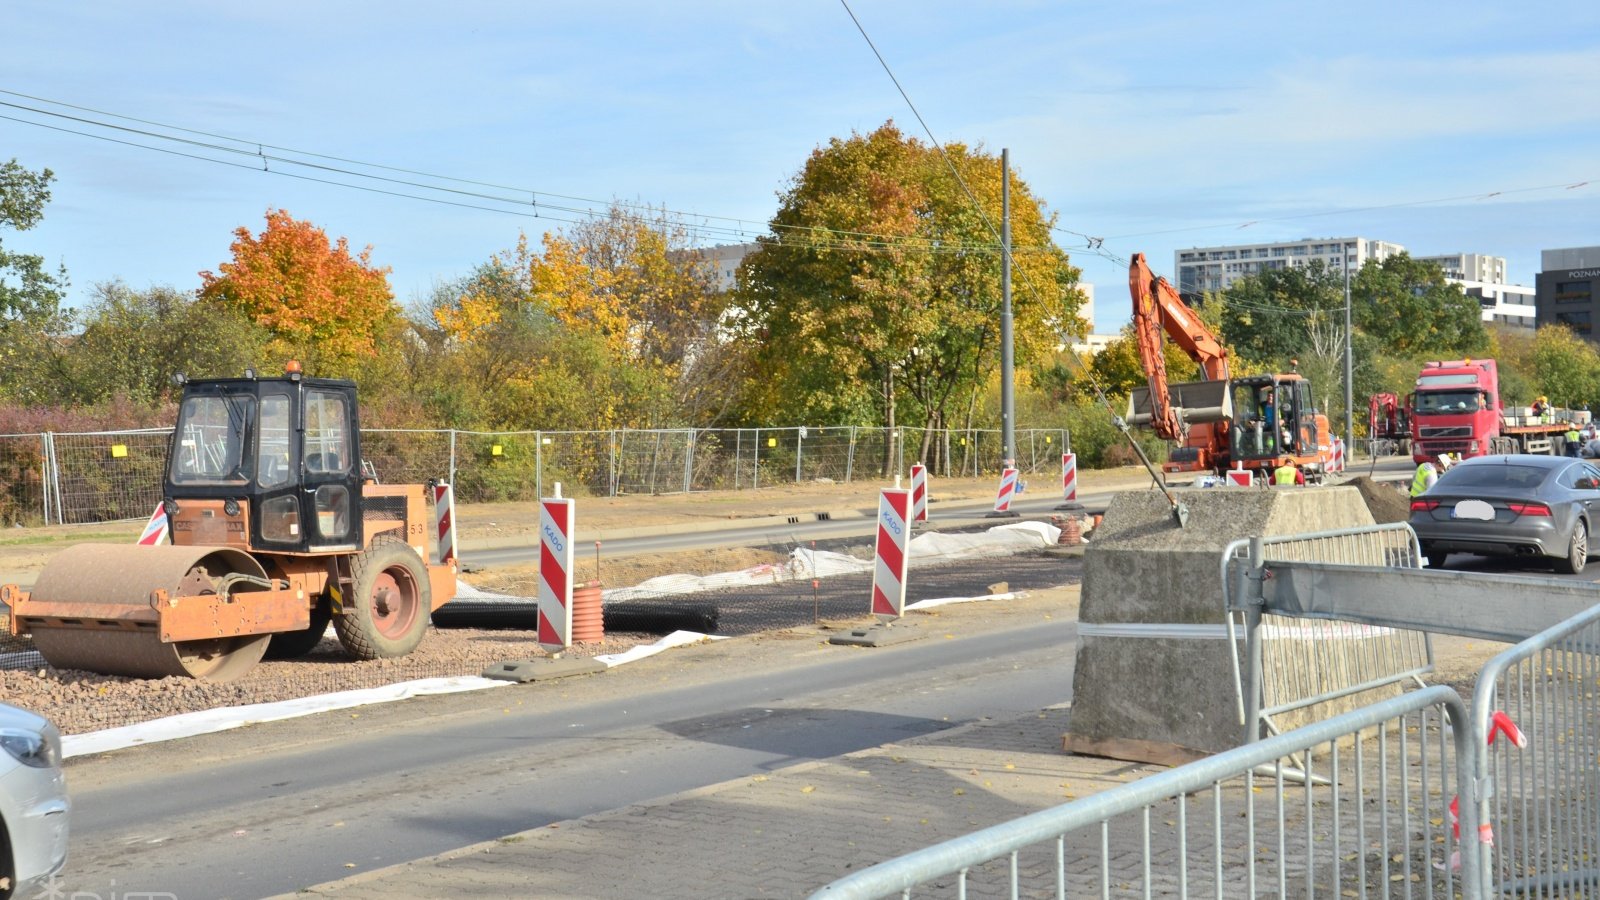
556, 522
1338, 455
1008, 490
444, 523
892, 554
155, 531
919, 492
1069, 481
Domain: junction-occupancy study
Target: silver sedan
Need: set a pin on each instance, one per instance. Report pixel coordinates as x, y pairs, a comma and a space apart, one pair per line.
33, 803
1539, 506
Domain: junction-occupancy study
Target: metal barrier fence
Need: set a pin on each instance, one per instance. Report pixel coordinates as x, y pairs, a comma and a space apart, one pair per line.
58, 478
1300, 662
1371, 822
1542, 799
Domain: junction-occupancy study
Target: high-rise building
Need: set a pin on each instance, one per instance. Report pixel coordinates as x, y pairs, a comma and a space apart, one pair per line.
1569, 288
1201, 269
1470, 267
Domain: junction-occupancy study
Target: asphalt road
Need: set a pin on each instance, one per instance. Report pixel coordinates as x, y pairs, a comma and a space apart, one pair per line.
278, 807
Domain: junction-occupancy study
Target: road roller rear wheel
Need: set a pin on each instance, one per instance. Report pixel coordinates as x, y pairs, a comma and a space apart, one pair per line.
295, 644
386, 613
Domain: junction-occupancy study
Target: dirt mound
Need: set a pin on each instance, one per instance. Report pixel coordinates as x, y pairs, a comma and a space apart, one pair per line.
1387, 501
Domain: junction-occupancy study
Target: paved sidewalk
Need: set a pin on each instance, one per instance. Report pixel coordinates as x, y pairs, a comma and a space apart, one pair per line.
784, 834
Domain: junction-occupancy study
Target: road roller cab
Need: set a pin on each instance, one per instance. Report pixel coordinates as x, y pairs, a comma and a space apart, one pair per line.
278, 529
269, 465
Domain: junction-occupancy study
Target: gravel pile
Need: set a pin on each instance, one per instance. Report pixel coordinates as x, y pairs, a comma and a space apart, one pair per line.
80, 702
1387, 501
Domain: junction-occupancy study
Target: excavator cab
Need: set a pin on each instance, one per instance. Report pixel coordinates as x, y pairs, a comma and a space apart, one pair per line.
266, 465
1275, 420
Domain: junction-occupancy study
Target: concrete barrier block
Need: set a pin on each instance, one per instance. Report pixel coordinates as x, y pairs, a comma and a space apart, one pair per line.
1167, 681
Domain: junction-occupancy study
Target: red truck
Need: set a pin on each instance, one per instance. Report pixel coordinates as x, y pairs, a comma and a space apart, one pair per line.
1457, 409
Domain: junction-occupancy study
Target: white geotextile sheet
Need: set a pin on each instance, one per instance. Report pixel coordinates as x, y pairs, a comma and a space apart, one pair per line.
212, 720
1001, 540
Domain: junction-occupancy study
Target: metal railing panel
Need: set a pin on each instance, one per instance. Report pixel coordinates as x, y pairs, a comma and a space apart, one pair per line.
1241, 823
1542, 801
1303, 662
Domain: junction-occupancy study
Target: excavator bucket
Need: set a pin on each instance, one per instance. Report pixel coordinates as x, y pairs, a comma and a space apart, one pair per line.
1198, 401
152, 612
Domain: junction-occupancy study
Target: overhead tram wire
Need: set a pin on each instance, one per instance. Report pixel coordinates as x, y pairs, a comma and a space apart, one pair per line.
786, 235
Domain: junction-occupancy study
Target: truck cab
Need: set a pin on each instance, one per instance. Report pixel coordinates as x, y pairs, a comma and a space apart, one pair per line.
1456, 409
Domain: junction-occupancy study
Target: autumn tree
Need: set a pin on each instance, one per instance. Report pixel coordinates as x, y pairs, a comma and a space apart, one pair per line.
879, 288
323, 305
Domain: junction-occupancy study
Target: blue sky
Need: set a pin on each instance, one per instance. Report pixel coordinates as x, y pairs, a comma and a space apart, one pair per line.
1154, 125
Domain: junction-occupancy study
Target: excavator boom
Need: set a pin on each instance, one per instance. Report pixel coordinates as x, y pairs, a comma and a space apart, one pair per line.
1188, 412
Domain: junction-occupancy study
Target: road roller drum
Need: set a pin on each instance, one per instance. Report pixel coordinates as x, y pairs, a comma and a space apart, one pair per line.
94, 608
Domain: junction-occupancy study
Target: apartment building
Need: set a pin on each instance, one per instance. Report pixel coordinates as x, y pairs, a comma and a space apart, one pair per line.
1201, 269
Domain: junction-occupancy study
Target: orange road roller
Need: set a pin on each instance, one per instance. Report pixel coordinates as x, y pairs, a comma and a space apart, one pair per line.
278, 529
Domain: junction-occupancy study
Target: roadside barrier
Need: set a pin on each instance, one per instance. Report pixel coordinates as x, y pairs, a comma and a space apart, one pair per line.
155, 531
891, 556
556, 520
1007, 490
919, 492
1069, 477
1244, 823
444, 523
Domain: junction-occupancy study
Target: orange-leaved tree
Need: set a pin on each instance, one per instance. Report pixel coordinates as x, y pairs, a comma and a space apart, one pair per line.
324, 306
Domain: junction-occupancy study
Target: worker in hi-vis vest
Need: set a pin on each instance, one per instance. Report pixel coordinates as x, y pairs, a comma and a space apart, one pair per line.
1288, 474
1427, 474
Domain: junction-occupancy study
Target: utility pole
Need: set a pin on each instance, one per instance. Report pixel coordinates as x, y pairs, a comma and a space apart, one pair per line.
1349, 364
1008, 434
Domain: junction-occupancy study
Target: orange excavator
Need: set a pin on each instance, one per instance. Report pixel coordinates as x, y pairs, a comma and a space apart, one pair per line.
1275, 423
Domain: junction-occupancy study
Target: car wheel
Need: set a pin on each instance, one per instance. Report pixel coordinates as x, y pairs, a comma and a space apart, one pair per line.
1436, 558
1577, 551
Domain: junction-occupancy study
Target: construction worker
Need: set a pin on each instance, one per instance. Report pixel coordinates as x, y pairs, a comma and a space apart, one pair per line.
1288, 474
1574, 439
1427, 474
1542, 409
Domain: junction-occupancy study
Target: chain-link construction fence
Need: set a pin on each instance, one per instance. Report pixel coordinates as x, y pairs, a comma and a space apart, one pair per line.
58, 478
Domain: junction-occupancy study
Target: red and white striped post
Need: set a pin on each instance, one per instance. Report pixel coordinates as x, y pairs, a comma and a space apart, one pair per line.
892, 554
919, 492
556, 521
444, 523
1008, 490
1069, 481
1338, 454
155, 531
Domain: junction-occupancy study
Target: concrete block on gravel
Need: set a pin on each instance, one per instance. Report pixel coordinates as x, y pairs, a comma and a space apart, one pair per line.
1134, 694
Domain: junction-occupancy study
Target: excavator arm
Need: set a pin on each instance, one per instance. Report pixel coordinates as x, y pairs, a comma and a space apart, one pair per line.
1158, 310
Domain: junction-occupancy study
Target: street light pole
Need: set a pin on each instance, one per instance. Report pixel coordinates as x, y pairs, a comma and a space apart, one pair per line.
1349, 365
1008, 436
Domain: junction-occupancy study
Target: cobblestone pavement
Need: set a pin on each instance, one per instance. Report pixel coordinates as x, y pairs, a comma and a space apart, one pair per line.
784, 834
788, 833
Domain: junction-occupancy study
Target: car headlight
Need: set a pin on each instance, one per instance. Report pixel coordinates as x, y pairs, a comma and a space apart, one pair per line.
41, 751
